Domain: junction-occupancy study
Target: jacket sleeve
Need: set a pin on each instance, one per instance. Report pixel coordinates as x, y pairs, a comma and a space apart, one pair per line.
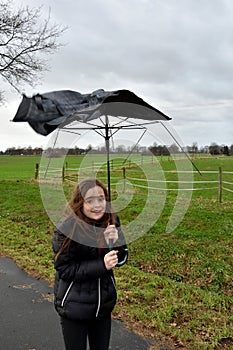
120, 245
70, 267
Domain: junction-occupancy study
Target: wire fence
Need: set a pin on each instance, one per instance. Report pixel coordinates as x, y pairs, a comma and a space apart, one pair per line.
218, 180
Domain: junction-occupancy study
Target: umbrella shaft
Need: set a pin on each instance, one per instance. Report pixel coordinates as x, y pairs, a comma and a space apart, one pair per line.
107, 151
108, 168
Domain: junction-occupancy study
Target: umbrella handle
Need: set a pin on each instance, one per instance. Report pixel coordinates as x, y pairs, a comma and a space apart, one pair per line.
110, 244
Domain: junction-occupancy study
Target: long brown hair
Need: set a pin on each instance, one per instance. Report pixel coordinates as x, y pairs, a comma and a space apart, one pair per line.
76, 205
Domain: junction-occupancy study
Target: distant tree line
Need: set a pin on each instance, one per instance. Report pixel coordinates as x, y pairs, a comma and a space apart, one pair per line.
157, 150
25, 151
213, 149
55, 152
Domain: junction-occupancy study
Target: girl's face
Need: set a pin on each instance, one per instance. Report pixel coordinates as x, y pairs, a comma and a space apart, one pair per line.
94, 204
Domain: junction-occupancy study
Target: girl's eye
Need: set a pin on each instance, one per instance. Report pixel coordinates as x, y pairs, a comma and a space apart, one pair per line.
101, 200
93, 201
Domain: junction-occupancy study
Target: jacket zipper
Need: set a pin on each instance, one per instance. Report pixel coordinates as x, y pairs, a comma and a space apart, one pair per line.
66, 293
99, 299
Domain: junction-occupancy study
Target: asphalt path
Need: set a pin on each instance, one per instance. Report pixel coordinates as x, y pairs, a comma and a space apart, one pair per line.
28, 320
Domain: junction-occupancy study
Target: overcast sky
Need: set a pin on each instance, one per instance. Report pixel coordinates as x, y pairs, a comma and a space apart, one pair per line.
175, 54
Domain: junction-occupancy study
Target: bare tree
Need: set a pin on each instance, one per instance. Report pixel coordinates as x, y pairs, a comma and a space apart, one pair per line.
24, 38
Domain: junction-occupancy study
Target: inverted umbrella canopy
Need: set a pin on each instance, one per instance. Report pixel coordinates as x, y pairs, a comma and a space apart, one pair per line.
45, 112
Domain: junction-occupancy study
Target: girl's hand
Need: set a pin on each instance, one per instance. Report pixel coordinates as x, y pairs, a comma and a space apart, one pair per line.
111, 233
111, 259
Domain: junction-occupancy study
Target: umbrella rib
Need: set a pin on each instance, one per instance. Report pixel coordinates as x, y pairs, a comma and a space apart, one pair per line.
139, 127
50, 157
80, 121
135, 146
98, 132
92, 127
126, 118
121, 120
132, 127
71, 132
111, 136
116, 127
113, 126
182, 149
101, 121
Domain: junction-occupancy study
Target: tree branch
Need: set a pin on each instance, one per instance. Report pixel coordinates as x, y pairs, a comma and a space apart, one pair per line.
23, 39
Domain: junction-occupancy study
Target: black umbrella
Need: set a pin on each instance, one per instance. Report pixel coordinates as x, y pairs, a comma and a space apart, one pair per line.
62, 109
46, 112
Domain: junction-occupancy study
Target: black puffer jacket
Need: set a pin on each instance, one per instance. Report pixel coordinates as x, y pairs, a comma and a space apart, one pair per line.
84, 288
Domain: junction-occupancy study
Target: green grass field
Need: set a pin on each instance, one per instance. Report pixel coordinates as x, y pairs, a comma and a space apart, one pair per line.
177, 287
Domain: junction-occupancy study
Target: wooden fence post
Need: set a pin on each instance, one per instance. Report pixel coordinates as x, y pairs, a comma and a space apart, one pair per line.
63, 174
220, 184
123, 179
36, 171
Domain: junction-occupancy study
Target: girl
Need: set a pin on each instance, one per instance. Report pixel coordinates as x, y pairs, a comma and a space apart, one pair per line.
85, 290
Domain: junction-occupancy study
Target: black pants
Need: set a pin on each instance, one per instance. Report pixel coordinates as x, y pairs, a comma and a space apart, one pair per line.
97, 331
